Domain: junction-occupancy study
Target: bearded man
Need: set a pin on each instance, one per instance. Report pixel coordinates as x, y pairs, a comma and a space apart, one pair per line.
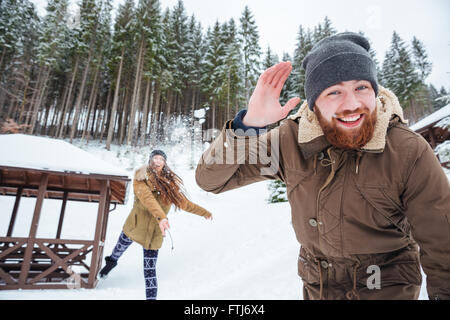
370, 203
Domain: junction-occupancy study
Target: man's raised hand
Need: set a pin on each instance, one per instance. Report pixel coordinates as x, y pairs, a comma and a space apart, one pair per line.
264, 106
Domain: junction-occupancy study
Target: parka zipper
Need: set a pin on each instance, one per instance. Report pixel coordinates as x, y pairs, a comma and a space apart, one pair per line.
327, 182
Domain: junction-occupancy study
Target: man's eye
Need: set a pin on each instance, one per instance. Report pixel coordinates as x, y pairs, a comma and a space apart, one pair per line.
333, 93
362, 87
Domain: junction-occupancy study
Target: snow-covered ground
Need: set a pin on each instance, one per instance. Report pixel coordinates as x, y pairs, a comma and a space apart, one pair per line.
248, 251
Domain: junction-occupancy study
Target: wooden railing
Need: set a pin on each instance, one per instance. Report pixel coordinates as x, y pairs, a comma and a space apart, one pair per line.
47, 266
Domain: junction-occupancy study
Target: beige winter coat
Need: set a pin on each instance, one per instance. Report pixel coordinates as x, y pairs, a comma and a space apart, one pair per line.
142, 224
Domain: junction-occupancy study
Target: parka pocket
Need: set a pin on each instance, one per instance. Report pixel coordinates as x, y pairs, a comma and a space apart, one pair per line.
395, 268
293, 178
307, 269
395, 273
387, 211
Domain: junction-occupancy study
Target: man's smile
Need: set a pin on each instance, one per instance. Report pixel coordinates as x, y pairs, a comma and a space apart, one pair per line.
351, 121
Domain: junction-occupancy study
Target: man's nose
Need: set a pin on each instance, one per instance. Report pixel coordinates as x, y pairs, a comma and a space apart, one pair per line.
350, 103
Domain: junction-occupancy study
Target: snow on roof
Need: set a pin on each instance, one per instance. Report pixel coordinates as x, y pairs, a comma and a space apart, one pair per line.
26, 151
434, 117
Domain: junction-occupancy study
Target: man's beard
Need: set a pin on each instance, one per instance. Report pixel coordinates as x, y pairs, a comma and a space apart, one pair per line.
352, 138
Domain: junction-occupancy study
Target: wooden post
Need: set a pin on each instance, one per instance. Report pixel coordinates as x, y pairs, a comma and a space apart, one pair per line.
98, 233
61, 216
26, 263
14, 213
432, 138
106, 215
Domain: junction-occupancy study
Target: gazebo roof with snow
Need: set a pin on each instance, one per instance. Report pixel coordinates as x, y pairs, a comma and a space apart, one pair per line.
429, 128
24, 158
431, 119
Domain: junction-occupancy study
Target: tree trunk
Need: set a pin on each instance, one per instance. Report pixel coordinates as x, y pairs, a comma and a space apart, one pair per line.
37, 105
124, 118
44, 122
135, 137
154, 121
95, 114
33, 96
213, 115
90, 103
145, 112
24, 100
12, 105
63, 117
136, 92
55, 122
228, 96
168, 112
105, 116
1, 58
79, 100
114, 106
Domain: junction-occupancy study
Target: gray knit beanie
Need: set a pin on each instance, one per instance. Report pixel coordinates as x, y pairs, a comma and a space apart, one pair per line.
341, 57
157, 152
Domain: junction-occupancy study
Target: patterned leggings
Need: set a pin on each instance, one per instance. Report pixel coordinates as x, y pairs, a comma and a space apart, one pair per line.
150, 257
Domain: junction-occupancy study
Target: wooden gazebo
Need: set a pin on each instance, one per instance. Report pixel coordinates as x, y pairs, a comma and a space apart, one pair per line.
434, 134
50, 263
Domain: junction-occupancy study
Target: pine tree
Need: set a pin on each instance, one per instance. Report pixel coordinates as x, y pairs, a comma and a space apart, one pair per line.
121, 44
100, 62
251, 51
373, 55
153, 65
270, 59
168, 82
398, 71
194, 55
51, 43
195, 50
324, 30
148, 31
434, 94
232, 72
19, 31
89, 21
422, 103
304, 45
212, 66
421, 62
443, 98
277, 192
18, 24
179, 28
71, 62
287, 92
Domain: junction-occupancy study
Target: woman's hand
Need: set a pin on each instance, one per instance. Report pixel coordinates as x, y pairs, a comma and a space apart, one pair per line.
208, 216
264, 106
163, 225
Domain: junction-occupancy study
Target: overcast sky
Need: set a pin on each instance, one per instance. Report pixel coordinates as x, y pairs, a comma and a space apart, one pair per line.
278, 22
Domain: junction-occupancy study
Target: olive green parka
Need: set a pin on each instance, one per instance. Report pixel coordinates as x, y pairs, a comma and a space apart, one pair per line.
354, 212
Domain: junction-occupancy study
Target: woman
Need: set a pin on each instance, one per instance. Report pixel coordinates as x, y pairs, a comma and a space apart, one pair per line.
156, 188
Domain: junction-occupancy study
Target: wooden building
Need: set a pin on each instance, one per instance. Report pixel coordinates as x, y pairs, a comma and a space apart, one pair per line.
44, 169
434, 133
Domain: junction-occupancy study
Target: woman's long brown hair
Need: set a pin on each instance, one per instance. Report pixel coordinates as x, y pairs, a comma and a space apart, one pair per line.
169, 185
